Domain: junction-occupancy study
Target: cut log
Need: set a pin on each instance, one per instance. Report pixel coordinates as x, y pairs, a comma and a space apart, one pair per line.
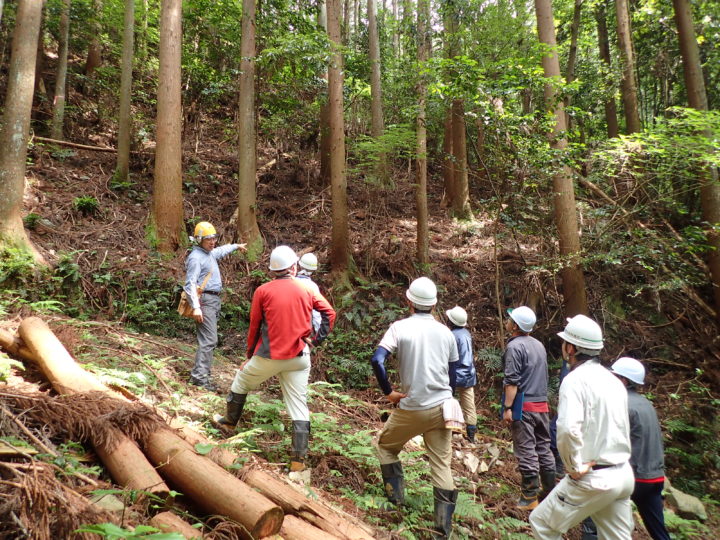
12, 344
293, 502
127, 465
210, 486
169, 522
295, 528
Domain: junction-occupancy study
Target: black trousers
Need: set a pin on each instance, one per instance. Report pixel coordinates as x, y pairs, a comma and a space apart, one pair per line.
648, 499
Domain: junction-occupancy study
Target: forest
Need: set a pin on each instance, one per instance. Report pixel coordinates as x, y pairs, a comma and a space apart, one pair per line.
561, 155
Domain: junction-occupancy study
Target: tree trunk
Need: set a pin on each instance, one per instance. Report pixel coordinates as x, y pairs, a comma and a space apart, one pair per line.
248, 230
39, 89
167, 195
573, 280
126, 463
461, 195
423, 54
210, 486
604, 46
122, 168
447, 164
697, 99
61, 77
627, 58
325, 106
572, 54
376, 112
296, 529
168, 522
15, 128
339, 248
94, 57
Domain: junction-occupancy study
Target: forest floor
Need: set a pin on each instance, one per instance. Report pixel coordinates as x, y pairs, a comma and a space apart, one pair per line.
108, 270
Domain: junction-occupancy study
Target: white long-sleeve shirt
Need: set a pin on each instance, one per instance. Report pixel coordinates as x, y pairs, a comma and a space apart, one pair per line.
593, 422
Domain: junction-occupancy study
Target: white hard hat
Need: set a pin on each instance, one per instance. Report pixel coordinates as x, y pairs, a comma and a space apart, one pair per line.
524, 317
422, 292
457, 316
629, 368
583, 332
309, 262
281, 258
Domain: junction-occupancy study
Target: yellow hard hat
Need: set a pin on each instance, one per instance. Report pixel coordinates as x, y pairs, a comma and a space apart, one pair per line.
204, 230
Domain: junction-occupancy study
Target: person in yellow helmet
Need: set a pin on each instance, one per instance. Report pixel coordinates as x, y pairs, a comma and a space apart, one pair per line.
202, 271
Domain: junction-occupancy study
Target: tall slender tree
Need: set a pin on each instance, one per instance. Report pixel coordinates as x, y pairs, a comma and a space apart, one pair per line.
461, 192
247, 226
167, 214
339, 248
628, 85
423, 54
708, 177
573, 280
61, 77
376, 110
122, 169
611, 119
94, 57
572, 53
15, 128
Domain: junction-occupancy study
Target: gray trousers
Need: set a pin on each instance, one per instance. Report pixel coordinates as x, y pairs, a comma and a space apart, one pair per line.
531, 443
207, 337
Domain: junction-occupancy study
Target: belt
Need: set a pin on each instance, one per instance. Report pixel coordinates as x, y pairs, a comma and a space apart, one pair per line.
215, 293
600, 467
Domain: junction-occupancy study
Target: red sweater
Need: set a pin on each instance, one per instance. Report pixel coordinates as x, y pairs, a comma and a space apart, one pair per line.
281, 316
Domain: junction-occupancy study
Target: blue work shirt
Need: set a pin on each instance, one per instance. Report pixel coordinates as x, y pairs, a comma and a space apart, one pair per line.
197, 265
464, 368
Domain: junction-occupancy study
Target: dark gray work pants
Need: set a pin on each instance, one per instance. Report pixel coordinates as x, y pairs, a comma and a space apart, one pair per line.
531, 443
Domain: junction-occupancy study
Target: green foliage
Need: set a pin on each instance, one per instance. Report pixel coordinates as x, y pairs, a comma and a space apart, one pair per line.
398, 142
31, 220
86, 205
685, 529
17, 266
110, 531
7, 364
69, 461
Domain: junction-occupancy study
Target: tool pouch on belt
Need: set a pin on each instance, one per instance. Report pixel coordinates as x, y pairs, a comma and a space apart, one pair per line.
185, 308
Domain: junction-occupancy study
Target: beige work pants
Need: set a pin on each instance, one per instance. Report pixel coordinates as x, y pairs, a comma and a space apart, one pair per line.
466, 397
403, 425
293, 375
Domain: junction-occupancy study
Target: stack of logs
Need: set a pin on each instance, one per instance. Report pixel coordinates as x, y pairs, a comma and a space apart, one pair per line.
263, 504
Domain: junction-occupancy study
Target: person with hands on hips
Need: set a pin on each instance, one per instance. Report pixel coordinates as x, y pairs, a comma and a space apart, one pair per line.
593, 438
423, 348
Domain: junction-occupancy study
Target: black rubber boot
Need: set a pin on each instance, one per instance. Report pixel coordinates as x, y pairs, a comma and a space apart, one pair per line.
529, 492
394, 482
235, 406
547, 479
471, 431
300, 440
445, 500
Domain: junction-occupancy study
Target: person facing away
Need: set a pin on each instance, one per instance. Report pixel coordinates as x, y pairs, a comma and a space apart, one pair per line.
526, 380
202, 271
279, 340
424, 348
462, 373
593, 438
647, 456
308, 264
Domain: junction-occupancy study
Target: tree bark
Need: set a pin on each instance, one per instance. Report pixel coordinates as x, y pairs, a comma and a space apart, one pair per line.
15, 128
423, 54
572, 54
248, 230
61, 77
708, 177
167, 194
296, 529
461, 193
122, 168
126, 463
628, 86
376, 112
94, 57
573, 280
448, 168
611, 119
339, 249
210, 486
168, 522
